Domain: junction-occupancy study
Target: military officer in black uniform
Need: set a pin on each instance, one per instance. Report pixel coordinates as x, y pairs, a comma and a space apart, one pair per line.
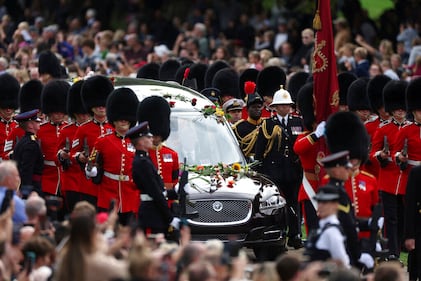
154, 214
28, 154
246, 131
274, 147
412, 223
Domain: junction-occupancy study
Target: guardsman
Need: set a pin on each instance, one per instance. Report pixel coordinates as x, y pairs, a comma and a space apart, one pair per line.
357, 99
412, 217
338, 167
274, 148
391, 180
29, 99
375, 94
328, 242
9, 91
246, 130
114, 153
28, 154
154, 214
344, 79
156, 111
53, 104
94, 92
72, 176
268, 81
308, 148
361, 186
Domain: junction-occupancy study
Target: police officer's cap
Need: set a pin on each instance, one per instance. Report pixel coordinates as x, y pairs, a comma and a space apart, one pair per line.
339, 159
141, 130
211, 93
327, 193
28, 116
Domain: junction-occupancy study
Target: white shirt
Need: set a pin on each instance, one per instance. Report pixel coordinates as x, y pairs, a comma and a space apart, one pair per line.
280, 119
333, 240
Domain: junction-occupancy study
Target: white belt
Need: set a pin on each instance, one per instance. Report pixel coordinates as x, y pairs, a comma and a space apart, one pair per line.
414, 162
116, 177
49, 163
145, 197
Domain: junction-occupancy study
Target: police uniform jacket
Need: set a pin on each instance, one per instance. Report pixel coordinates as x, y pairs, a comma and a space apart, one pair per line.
30, 160
307, 148
166, 162
246, 132
15, 135
274, 147
116, 155
88, 131
391, 179
346, 216
153, 213
48, 135
6, 126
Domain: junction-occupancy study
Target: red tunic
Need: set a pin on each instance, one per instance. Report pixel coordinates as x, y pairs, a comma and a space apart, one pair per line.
412, 133
117, 155
48, 135
15, 135
373, 166
6, 128
391, 179
88, 131
307, 148
166, 162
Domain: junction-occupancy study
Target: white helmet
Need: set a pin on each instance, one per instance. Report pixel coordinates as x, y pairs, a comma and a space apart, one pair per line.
281, 96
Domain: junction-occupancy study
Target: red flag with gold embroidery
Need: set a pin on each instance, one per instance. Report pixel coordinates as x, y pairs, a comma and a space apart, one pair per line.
326, 88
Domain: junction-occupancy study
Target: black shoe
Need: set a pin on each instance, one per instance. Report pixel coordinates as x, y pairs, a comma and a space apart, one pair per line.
295, 243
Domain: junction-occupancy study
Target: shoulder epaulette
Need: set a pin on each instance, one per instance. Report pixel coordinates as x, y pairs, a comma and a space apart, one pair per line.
384, 123
407, 123
33, 137
368, 174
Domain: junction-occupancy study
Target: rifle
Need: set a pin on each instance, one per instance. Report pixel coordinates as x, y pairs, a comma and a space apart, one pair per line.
89, 163
386, 149
403, 165
66, 162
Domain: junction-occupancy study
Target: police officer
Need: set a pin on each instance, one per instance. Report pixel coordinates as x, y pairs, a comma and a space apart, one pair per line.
115, 153
9, 90
329, 240
154, 214
246, 130
94, 92
274, 147
28, 154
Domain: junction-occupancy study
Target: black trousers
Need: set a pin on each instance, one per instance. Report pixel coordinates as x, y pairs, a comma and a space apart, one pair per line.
290, 192
393, 211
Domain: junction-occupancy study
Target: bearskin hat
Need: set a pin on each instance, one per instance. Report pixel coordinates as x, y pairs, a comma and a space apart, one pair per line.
182, 77
168, 69
295, 82
269, 80
30, 95
357, 98
48, 63
122, 104
197, 72
9, 91
156, 111
212, 70
226, 80
344, 80
394, 95
413, 95
74, 99
375, 91
250, 74
54, 96
305, 104
149, 71
345, 131
95, 91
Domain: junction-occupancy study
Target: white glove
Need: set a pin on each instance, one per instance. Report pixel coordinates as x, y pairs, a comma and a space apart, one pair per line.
367, 260
380, 222
175, 223
320, 130
92, 173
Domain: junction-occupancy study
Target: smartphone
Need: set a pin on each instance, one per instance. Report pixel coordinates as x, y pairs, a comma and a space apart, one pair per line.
29, 262
8, 197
